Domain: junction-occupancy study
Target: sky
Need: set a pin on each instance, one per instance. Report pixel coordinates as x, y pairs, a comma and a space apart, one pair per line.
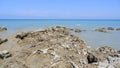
59, 9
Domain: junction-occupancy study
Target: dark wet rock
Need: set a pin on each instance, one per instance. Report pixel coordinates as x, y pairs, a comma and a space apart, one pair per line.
91, 59
78, 30
110, 28
5, 54
3, 41
3, 28
101, 30
117, 28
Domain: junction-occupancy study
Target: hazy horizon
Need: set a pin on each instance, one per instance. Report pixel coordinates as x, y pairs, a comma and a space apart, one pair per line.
59, 9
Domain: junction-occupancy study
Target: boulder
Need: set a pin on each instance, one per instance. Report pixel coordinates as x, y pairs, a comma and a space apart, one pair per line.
110, 28
78, 30
117, 28
91, 59
101, 30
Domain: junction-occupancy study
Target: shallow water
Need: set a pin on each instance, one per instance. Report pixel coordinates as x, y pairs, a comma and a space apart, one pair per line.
94, 39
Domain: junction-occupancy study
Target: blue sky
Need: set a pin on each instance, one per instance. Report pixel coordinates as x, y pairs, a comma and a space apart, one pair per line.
75, 9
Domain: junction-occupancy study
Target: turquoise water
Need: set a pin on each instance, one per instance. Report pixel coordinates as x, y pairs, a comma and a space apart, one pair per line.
94, 39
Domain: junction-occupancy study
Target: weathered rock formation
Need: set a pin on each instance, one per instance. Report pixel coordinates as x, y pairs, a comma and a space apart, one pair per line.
56, 47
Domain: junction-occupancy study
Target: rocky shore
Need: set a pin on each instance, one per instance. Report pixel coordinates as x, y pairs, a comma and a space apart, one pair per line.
56, 47
107, 29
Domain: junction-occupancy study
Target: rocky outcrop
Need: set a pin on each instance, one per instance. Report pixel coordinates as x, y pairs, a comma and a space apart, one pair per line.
101, 30
110, 28
106, 29
56, 47
3, 28
3, 41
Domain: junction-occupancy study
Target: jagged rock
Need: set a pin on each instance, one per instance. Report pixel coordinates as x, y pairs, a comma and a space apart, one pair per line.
101, 30
92, 59
110, 28
117, 28
3, 28
3, 41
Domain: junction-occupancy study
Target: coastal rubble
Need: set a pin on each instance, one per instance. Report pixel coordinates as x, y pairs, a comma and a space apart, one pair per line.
56, 47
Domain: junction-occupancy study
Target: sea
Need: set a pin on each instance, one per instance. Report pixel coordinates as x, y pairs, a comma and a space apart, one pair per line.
93, 38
